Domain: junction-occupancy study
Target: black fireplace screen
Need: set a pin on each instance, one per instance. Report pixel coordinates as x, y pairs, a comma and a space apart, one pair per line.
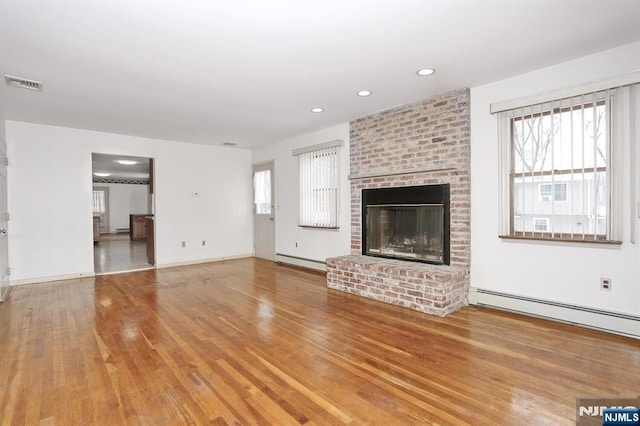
414, 232
409, 223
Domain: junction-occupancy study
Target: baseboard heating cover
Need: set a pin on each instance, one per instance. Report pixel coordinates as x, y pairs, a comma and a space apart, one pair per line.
611, 322
316, 265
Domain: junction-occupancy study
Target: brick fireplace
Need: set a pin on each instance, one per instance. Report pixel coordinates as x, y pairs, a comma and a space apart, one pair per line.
420, 144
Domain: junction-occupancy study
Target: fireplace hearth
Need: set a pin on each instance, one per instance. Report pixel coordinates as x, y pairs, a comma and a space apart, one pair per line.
407, 223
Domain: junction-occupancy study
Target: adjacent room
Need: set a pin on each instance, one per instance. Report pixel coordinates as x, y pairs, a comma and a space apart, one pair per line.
383, 212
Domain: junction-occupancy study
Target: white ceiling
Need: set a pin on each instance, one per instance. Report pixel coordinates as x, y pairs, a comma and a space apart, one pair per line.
249, 71
105, 163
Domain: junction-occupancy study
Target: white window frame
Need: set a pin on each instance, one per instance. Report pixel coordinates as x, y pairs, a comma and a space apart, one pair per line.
319, 185
544, 220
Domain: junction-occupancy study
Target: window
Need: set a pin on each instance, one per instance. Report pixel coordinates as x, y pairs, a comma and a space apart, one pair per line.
319, 185
99, 204
562, 163
541, 224
262, 191
552, 192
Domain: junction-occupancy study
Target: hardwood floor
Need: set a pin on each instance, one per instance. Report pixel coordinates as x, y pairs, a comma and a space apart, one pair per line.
249, 342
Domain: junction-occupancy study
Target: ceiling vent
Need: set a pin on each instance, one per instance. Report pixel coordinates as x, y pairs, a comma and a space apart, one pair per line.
229, 144
23, 83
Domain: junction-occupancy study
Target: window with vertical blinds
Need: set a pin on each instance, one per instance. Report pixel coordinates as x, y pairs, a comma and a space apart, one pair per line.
319, 185
561, 165
99, 205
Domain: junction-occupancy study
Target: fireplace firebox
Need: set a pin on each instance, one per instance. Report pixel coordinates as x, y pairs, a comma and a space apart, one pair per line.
408, 223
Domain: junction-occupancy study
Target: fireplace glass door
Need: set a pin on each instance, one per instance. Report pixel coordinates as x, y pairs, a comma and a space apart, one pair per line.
406, 231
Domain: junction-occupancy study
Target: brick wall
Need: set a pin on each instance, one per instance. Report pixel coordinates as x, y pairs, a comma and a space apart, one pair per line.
423, 143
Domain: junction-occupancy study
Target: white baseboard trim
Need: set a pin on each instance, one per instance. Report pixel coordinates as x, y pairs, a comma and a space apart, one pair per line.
316, 265
199, 261
611, 322
52, 278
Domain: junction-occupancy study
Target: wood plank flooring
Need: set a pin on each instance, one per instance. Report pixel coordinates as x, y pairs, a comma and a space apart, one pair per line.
250, 342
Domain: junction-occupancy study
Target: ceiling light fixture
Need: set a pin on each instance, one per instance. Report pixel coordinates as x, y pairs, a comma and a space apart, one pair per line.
127, 162
364, 93
317, 110
99, 174
425, 71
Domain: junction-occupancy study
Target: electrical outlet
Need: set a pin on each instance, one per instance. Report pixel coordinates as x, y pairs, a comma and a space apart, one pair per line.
204, 243
605, 284
296, 244
184, 244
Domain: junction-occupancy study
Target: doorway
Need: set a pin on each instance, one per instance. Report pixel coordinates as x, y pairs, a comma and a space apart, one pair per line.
123, 213
264, 229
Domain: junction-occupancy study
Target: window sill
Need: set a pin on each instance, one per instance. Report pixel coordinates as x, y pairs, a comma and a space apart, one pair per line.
318, 227
560, 240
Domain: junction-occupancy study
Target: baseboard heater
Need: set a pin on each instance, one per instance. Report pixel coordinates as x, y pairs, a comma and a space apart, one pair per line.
122, 230
611, 322
316, 265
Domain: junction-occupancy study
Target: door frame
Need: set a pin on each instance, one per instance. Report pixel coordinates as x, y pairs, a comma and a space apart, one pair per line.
4, 223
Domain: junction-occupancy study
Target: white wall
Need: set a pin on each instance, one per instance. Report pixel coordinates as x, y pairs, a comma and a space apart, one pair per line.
314, 244
50, 199
567, 273
124, 199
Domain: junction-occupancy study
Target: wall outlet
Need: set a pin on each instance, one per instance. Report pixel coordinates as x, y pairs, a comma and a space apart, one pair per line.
296, 244
204, 243
183, 244
605, 284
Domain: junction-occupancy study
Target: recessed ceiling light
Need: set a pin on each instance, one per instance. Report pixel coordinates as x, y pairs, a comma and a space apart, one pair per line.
102, 174
127, 162
317, 109
425, 71
364, 93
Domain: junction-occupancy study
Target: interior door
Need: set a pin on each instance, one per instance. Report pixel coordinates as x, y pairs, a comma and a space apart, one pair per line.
264, 229
4, 219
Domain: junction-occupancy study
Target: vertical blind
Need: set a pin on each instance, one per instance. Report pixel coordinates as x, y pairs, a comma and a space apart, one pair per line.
560, 168
561, 162
99, 202
319, 174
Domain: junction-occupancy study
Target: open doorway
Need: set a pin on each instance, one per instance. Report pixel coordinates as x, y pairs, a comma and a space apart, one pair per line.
123, 213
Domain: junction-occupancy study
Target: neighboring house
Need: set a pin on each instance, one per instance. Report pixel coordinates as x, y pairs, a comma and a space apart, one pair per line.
563, 204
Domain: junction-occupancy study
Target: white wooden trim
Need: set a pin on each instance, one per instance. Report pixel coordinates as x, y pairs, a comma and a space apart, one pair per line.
52, 278
199, 261
330, 144
596, 86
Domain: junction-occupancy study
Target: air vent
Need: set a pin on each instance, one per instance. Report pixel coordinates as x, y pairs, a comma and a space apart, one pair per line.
23, 83
229, 144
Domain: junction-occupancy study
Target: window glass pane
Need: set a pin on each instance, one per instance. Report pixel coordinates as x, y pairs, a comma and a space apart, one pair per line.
559, 168
262, 191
